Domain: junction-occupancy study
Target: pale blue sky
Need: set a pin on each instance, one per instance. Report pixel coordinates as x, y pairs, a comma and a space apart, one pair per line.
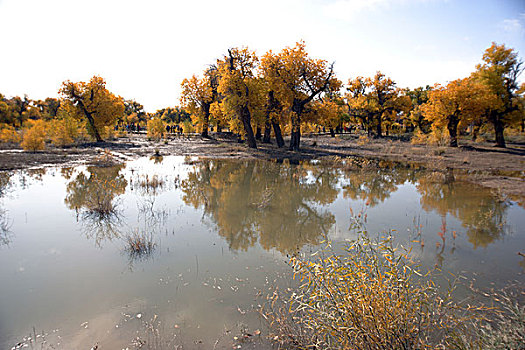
145, 48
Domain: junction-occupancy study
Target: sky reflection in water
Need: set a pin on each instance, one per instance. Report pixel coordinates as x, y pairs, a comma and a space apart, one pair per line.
217, 232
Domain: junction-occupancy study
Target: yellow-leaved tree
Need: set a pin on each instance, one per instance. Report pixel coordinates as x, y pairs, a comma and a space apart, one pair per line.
418, 96
93, 102
358, 103
297, 80
241, 90
499, 73
455, 106
198, 95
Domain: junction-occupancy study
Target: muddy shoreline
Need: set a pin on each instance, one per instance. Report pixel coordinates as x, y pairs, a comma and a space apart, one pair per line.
502, 170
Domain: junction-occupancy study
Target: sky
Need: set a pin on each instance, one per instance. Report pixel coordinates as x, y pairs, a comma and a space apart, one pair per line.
145, 48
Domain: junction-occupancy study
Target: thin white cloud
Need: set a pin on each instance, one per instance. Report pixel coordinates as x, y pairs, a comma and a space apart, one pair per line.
345, 9
348, 9
512, 25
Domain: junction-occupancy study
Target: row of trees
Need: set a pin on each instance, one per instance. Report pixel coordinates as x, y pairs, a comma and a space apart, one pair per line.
84, 109
289, 92
243, 92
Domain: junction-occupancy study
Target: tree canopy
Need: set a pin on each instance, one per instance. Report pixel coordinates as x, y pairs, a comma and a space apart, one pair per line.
91, 100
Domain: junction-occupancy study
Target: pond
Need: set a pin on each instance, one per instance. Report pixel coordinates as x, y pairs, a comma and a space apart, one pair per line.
173, 251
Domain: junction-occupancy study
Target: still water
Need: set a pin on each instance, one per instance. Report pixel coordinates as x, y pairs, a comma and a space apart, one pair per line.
218, 233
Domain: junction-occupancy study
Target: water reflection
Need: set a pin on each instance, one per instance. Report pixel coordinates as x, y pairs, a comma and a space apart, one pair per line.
178, 263
375, 183
5, 221
5, 227
157, 159
36, 174
92, 196
279, 205
480, 212
5, 182
275, 204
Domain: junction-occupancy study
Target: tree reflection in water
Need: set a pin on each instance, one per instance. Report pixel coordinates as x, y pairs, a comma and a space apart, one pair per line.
93, 198
278, 205
374, 183
481, 212
266, 202
5, 228
5, 221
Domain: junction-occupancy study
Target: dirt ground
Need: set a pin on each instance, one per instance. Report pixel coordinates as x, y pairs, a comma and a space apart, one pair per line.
500, 169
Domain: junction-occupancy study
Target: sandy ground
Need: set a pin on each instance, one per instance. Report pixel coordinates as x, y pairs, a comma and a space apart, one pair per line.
499, 169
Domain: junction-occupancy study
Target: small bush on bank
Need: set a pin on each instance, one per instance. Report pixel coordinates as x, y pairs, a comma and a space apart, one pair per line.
63, 132
366, 298
363, 140
8, 134
34, 137
368, 294
437, 137
187, 127
156, 129
371, 296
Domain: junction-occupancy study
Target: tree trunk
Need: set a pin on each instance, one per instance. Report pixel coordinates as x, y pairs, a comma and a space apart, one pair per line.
295, 138
368, 125
332, 132
475, 132
206, 121
498, 131
452, 127
379, 132
246, 121
278, 134
91, 122
258, 133
267, 130
271, 105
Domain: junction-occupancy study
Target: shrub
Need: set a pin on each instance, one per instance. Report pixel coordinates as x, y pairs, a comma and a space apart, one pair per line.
419, 138
437, 137
121, 133
156, 129
34, 137
187, 127
63, 132
363, 140
83, 134
368, 297
9, 134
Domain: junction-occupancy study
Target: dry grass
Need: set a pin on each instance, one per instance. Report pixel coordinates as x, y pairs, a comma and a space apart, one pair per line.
139, 245
151, 184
